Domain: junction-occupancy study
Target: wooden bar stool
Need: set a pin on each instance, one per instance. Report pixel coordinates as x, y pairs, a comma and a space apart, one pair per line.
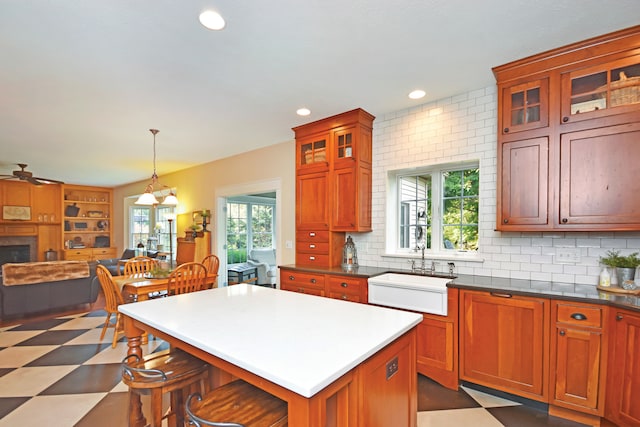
237, 404
170, 371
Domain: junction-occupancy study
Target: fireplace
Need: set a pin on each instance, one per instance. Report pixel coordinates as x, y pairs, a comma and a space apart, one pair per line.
18, 249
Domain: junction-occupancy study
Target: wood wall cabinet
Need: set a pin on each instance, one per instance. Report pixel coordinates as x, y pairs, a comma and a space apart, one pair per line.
333, 184
568, 142
504, 342
578, 356
437, 344
623, 379
87, 212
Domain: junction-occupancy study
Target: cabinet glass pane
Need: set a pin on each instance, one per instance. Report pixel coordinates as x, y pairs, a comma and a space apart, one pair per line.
525, 107
345, 148
589, 93
313, 152
625, 85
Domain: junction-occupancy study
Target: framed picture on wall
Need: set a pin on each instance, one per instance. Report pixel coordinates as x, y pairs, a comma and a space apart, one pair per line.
21, 213
202, 218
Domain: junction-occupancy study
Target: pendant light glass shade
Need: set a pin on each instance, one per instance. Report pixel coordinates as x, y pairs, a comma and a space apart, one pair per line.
148, 198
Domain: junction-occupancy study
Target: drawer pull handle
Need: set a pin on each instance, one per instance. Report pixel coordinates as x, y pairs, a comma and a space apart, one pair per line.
344, 285
312, 258
292, 278
578, 316
312, 246
313, 280
344, 297
312, 234
500, 295
619, 317
562, 332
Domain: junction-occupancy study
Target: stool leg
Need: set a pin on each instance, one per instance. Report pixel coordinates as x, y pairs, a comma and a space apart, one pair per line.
136, 417
156, 408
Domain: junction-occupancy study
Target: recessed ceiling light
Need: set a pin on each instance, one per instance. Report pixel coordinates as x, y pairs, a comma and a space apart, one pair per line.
303, 111
212, 20
417, 94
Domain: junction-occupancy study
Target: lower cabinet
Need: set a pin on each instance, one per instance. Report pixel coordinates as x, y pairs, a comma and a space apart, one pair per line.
348, 288
89, 254
578, 353
438, 344
504, 342
623, 381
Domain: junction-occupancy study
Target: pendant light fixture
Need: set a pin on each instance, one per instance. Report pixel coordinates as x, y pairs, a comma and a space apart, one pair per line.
148, 198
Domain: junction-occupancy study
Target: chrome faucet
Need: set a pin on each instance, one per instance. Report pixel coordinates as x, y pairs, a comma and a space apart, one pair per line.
423, 269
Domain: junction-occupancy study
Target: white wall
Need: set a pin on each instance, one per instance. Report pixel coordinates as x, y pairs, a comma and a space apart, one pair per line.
459, 128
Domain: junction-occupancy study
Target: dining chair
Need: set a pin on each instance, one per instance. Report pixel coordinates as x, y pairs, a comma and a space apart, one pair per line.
188, 277
169, 371
139, 265
236, 404
212, 264
113, 298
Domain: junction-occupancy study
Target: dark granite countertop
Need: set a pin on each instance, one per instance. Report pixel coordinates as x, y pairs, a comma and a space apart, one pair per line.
542, 289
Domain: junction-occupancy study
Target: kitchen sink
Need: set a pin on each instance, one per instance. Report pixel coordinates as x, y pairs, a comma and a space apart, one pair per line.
425, 294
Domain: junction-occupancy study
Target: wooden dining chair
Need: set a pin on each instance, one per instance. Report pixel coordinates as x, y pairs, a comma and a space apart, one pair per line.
212, 264
113, 298
188, 277
139, 265
236, 404
169, 371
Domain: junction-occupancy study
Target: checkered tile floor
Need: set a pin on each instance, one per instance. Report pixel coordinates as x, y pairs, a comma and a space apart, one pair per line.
57, 373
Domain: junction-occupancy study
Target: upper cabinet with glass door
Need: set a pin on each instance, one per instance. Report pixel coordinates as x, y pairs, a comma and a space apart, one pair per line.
312, 153
525, 106
602, 90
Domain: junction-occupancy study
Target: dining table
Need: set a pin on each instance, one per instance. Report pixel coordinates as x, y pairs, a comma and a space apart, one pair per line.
336, 363
138, 287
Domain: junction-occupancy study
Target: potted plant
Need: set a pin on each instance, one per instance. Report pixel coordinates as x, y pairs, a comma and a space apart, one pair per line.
625, 266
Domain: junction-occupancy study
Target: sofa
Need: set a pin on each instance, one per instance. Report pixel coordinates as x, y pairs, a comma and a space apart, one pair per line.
35, 287
264, 260
116, 265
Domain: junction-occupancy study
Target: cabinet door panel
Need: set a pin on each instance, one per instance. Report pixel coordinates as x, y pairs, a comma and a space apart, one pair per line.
312, 203
599, 177
504, 343
525, 106
524, 181
623, 382
578, 367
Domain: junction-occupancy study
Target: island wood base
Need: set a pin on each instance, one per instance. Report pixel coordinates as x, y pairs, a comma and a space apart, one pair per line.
380, 392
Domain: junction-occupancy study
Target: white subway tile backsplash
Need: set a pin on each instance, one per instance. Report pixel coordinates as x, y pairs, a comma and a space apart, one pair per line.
464, 127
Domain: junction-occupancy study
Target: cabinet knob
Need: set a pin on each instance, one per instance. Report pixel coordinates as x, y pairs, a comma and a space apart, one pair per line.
506, 130
619, 317
565, 220
292, 278
578, 316
344, 297
313, 280
344, 285
565, 119
562, 332
506, 220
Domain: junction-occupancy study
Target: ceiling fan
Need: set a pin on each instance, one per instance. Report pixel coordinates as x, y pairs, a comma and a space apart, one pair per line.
24, 175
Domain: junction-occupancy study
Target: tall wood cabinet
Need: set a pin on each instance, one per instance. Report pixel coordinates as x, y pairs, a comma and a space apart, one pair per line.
333, 185
569, 122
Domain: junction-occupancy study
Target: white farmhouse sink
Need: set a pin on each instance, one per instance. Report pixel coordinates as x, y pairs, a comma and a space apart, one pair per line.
425, 294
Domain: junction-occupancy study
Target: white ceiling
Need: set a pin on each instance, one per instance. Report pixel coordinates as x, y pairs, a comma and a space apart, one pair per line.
82, 81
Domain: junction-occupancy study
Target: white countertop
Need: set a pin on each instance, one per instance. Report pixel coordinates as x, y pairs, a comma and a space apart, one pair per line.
300, 342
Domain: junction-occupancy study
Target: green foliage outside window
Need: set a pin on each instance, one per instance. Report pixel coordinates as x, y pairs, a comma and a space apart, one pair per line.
460, 209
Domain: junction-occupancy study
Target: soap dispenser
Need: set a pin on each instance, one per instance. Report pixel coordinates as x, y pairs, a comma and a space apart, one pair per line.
605, 278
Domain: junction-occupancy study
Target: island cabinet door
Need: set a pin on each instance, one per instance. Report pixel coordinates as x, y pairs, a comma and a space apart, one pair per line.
623, 379
388, 393
504, 342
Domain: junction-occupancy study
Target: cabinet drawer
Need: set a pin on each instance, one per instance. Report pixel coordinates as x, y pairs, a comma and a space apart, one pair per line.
296, 279
303, 289
312, 236
346, 285
345, 296
77, 255
580, 315
104, 253
312, 247
321, 260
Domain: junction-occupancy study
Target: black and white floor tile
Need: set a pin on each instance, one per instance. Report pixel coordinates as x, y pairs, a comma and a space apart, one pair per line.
57, 373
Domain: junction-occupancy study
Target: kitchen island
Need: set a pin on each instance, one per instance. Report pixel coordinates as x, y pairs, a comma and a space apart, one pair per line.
336, 363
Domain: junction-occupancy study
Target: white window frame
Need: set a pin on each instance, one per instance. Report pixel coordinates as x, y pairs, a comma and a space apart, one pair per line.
393, 211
